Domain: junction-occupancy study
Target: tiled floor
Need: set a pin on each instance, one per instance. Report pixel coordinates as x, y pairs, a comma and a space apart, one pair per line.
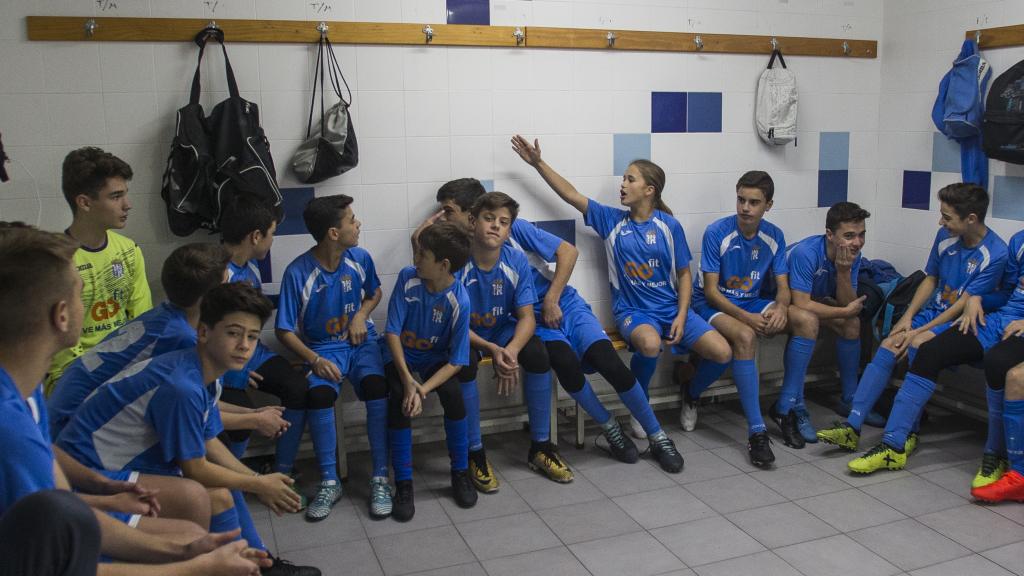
720, 516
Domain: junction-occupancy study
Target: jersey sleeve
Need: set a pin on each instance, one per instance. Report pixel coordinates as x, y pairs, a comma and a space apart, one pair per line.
372, 281
526, 293
213, 425
142, 299
681, 249
801, 269
27, 464
289, 302
1011, 273
397, 306
601, 218
533, 239
179, 421
458, 346
988, 279
780, 266
710, 256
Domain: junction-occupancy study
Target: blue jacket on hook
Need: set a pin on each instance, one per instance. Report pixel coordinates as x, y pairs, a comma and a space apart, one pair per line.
959, 108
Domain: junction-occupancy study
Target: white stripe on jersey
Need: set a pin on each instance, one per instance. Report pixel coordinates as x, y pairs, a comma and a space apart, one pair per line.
119, 342
725, 242
663, 226
126, 435
512, 275
946, 244
772, 244
411, 283
359, 269
1020, 252
456, 310
546, 269
609, 249
254, 269
307, 293
986, 258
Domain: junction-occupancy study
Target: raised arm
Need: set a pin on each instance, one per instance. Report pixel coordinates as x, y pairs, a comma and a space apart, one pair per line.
565, 190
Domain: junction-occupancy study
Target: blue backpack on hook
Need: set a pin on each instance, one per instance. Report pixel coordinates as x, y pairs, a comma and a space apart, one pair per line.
960, 107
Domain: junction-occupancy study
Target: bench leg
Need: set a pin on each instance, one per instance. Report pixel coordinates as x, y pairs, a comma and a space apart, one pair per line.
554, 412
579, 427
339, 426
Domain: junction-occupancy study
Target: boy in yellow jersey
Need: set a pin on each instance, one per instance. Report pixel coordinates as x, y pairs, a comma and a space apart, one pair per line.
95, 184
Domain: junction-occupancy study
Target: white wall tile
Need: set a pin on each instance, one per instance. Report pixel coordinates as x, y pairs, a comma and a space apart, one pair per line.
428, 159
378, 205
132, 118
285, 115
473, 156
552, 111
76, 119
281, 9
553, 14
381, 160
592, 155
127, 67
331, 10
379, 11
426, 69
512, 69
471, 112
592, 112
510, 115
71, 67
427, 113
24, 118
381, 114
470, 69
424, 11
380, 67
288, 67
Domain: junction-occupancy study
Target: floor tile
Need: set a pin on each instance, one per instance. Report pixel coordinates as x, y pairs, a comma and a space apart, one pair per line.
930, 458
348, 558
974, 526
800, 481
734, 493
850, 510
781, 525
762, 564
1010, 557
664, 507
429, 514
473, 569
618, 479
914, 496
634, 554
956, 479
704, 465
1012, 511
706, 541
708, 438
542, 493
588, 521
541, 563
507, 535
837, 467
974, 565
908, 544
835, 556
435, 548
294, 532
738, 456
502, 503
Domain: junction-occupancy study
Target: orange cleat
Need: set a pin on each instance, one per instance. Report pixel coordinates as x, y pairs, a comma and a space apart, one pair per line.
1008, 488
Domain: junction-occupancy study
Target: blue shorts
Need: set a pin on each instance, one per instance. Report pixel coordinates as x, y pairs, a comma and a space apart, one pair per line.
125, 518
927, 315
355, 364
121, 475
695, 327
239, 379
502, 335
579, 329
992, 332
707, 312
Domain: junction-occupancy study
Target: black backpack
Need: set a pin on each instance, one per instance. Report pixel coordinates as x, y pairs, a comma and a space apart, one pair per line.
897, 302
215, 160
1002, 131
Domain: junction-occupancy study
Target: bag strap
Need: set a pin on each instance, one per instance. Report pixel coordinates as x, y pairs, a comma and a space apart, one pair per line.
201, 39
336, 73
771, 62
318, 72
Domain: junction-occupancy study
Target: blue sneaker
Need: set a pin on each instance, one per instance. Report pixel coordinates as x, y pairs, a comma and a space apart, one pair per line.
873, 419
803, 424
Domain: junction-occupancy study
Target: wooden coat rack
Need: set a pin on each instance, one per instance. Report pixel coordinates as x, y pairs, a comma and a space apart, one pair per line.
1000, 37
82, 28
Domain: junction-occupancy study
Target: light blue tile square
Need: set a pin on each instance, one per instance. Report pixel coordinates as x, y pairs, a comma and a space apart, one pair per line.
834, 151
629, 147
945, 154
1008, 198
488, 185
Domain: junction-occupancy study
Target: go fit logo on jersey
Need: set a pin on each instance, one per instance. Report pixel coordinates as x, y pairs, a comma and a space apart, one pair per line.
337, 325
104, 309
411, 340
948, 296
641, 270
487, 320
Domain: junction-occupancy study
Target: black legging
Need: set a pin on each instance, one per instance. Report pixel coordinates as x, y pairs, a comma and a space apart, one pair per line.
1000, 359
533, 358
280, 379
372, 387
450, 394
951, 348
49, 533
601, 356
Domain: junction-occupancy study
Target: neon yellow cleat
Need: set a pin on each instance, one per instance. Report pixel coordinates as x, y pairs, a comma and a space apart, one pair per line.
881, 457
841, 434
911, 444
992, 468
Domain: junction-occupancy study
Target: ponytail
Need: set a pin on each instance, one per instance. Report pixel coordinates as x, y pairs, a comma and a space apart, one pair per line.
659, 204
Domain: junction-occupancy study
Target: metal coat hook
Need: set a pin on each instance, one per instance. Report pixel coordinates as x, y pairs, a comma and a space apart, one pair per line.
611, 39
322, 28
846, 48
428, 32
90, 27
699, 42
977, 37
519, 36
775, 43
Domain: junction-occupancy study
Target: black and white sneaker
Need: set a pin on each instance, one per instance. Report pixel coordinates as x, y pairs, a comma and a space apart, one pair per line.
619, 445
760, 450
788, 426
463, 489
403, 505
664, 451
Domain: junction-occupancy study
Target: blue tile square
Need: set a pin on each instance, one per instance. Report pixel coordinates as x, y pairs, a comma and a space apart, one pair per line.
917, 187
564, 229
488, 185
704, 112
834, 151
629, 147
469, 12
668, 111
945, 154
1008, 197
833, 186
295, 200
266, 272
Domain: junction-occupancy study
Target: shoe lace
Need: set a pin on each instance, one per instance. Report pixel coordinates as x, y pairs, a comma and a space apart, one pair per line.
379, 492
760, 441
324, 496
989, 463
552, 456
802, 415
878, 449
615, 437
664, 445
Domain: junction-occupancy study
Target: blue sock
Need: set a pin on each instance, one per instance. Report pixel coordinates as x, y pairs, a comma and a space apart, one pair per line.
795, 360
377, 434
872, 384
910, 400
537, 390
400, 440
638, 405
707, 373
744, 372
1013, 423
643, 368
996, 441
458, 444
325, 442
238, 448
471, 399
848, 357
244, 520
590, 403
288, 443
225, 521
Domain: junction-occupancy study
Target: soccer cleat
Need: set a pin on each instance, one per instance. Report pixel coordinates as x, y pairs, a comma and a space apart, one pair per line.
303, 501
804, 425
1008, 488
688, 411
547, 461
881, 457
760, 450
404, 503
282, 567
462, 489
619, 445
636, 430
380, 498
482, 474
841, 434
326, 497
992, 468
664, 451
787, 425
873, 419
911, 443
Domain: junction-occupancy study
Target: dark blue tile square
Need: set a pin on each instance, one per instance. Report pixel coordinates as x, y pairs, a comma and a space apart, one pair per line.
704, 112
833, 187
469, 12
564, 229
295, 200
668, 111
266, 272
917, 187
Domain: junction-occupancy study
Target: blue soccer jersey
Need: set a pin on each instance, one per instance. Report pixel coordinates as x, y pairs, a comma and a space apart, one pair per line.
811, 271
540, 247
318, 305
1014, 307
248, 272
148, 418
496, 294
26, 466
742, 264
644, 258
433, 326
959, 269
160, 330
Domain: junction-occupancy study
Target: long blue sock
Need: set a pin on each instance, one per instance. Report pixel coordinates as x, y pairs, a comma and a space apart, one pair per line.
795, 360
537, 390
325, 442
848, 358
225, 521
458, 444
245, 521
707, 373
872, 384
238, 448
996, 441
910, 400
377, 434
288, 443
471, 399
744, 372
400, 440
590, 403
1013, 423
636, 401
643, 368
